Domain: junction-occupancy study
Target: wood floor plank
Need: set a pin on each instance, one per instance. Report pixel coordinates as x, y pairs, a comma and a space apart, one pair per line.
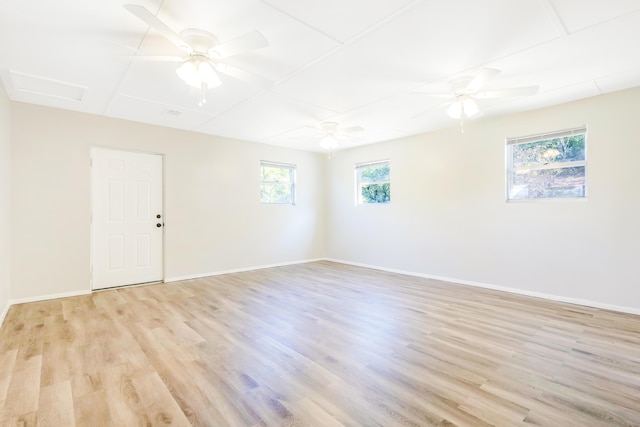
317, 344
55, 368
24, 388
123, 399
55, 406
160, 407
92, 409
7, 362
26, 420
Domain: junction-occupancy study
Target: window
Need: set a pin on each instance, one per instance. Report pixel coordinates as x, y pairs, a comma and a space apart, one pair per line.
547, 166
373, 184
277, 183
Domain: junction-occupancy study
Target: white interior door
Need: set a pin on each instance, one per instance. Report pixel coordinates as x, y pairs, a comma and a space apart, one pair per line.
127, 218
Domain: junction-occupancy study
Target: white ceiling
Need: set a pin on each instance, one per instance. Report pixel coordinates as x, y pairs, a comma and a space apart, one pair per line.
355, 62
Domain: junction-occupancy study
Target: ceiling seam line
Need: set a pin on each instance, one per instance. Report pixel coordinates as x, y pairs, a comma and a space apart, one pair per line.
115, 92
222, 113
555, 16
395, 15
606, 21
351, 40
300, 21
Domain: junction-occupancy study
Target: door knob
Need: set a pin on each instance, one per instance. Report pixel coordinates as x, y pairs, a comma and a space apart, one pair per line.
158, 225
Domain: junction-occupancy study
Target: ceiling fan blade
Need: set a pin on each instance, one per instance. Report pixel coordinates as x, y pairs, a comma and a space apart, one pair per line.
301, 133
420, 114
151, 20
313, 128
505, 93
250, 41
301, 138
346, 139
480, 79
440, 106
352, 129
150, 58
434, 95
243, 75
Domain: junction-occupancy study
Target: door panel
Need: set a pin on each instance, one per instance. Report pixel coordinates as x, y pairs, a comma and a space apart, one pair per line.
126, 200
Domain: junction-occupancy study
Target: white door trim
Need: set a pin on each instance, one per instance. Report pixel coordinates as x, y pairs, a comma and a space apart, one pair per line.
157, 276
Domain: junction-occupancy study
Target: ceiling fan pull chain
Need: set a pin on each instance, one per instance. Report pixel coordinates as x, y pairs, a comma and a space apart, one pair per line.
203, 93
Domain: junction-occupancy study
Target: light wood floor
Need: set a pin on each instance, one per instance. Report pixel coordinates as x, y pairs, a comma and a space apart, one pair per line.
318, 344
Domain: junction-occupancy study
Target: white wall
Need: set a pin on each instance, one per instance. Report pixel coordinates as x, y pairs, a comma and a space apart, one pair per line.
214, 221
448, 217
4, 201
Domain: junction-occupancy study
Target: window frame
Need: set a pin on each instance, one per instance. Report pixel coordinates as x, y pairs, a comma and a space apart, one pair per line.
291, 184
541, 137
359, 182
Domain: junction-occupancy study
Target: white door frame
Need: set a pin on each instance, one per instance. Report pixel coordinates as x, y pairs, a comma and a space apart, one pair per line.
91, 207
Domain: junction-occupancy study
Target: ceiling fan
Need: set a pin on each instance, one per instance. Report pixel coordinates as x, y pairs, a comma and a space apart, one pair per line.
466, 90
332, 135
204, 55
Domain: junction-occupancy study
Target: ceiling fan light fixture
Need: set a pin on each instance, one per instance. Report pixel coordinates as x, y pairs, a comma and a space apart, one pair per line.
469, 107
455, 110
196, 71
329, 142
188, 72
462, 107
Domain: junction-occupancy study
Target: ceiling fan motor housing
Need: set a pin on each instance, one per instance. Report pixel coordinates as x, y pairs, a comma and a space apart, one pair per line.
329, 128
201, 41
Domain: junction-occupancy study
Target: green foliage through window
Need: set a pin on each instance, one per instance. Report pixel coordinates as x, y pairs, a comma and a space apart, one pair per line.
373, 183
547, 166
376, 193
277, 183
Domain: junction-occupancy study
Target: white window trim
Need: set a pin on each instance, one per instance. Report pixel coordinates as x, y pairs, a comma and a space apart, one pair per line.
292, 180
358, 192
511, 141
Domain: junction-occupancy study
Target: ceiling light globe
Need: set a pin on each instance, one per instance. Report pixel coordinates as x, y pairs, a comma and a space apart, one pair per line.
464, 107
194, 72
469, 107
329, 142
455, 110
207, 74
188, 72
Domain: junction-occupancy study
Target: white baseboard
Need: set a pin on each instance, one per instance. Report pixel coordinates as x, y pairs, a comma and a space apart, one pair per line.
36, 299
48, 297
587, 303
452, 280
5, 310
169, 279
237, 270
